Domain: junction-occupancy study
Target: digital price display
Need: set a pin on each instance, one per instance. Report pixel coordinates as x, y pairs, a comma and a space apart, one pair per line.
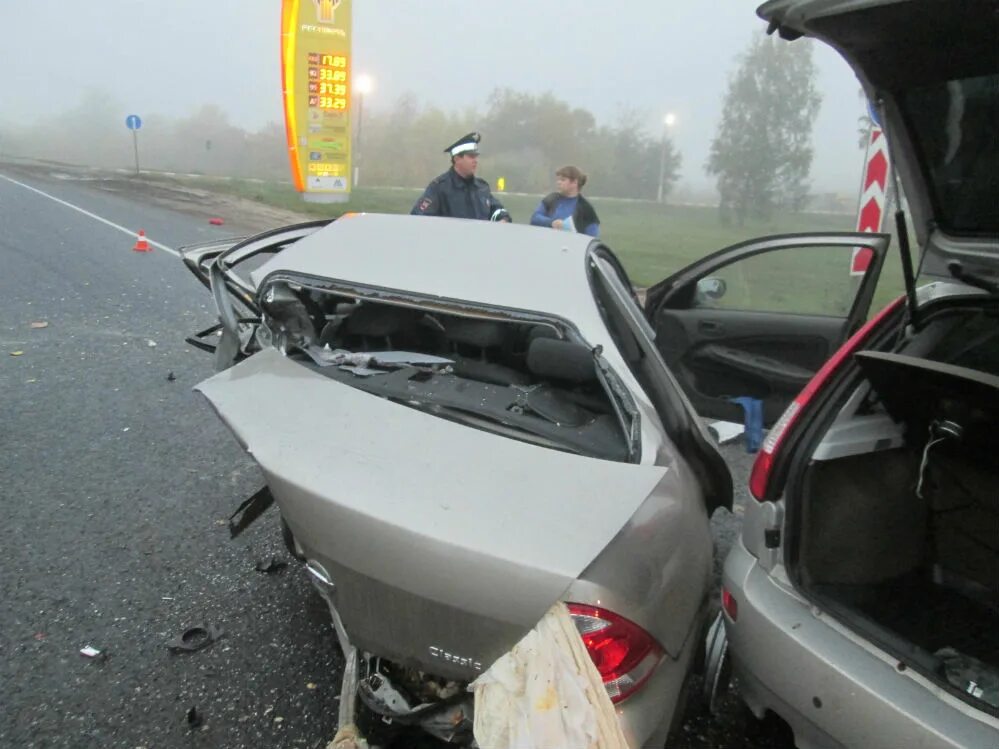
315, 72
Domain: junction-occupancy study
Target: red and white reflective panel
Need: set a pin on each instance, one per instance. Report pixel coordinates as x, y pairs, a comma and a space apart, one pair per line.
871, 207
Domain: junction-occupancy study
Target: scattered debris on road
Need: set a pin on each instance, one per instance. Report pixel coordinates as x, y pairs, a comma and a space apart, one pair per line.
38, 324
171, 376
16, 353
195, 638
194, 718
90, 652
270, 566
151, 343
216, 221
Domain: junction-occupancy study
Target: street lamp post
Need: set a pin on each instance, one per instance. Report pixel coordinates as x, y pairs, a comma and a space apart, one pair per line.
363, 86
668, 121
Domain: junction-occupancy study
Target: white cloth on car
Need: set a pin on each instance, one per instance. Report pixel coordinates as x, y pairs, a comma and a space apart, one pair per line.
546, 694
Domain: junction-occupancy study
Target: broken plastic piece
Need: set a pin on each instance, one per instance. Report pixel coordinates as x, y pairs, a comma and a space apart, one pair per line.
216, 221
171, 376
38, 324
270, 566
195, 638
252, 509
726, 431
194, 718
90, 652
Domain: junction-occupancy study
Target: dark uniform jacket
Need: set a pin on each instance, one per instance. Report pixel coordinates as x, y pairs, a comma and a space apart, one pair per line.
457, 197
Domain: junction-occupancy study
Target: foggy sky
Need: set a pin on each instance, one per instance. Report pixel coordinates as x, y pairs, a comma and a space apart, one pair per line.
172, 56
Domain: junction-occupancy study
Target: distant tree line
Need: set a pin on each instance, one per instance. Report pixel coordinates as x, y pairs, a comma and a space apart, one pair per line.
526, 137
761, 155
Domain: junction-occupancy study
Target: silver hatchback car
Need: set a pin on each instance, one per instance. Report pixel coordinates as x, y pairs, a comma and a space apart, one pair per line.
861, 604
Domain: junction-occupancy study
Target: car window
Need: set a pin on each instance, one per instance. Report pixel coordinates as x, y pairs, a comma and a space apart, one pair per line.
808, 281
955, 127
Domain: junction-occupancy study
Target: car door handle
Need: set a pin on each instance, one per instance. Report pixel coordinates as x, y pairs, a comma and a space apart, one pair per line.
709, 327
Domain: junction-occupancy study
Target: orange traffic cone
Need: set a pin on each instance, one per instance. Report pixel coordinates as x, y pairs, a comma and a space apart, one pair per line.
141, 243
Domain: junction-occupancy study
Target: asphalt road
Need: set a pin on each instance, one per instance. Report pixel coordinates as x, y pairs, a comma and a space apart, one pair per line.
116, 483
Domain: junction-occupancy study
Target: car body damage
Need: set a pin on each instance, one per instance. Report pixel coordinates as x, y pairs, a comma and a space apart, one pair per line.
457, 441
470, 528
464, 424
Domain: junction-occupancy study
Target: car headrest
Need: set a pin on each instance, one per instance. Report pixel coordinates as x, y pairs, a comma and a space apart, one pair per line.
379, 320
472, 332
561, 360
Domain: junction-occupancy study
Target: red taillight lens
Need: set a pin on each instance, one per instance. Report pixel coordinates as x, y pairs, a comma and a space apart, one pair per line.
729, 605
625, 654
759, 478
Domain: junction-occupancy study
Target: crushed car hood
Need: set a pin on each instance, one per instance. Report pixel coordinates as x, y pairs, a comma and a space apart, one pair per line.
442, 520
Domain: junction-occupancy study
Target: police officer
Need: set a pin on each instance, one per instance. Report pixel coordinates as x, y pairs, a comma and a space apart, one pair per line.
458, 193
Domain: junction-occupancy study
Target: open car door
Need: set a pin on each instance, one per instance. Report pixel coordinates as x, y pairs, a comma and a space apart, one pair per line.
759, 318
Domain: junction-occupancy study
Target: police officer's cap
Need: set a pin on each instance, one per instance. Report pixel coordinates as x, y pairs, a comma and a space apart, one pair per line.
466, 144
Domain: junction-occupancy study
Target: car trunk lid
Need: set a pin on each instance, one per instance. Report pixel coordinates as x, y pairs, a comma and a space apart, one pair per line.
932, 70
445, 544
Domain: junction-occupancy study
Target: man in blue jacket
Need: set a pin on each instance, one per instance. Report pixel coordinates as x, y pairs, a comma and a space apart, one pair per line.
458, 193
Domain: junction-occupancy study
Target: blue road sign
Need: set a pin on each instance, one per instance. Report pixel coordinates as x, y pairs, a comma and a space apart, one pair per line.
133, 122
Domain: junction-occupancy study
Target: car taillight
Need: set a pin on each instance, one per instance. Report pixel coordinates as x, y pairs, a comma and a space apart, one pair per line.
759, 478
625, 654
729, 605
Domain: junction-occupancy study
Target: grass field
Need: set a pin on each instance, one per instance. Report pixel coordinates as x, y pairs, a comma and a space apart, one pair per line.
655, 240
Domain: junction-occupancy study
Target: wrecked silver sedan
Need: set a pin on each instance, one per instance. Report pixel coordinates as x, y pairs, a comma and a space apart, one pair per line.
462, 424
471, 428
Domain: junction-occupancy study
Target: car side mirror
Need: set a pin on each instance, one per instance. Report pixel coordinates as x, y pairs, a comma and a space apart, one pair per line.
712, 288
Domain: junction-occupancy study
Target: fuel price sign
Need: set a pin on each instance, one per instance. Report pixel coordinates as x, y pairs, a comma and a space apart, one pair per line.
315, 72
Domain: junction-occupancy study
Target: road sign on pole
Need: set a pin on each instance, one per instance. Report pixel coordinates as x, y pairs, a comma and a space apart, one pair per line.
133, 122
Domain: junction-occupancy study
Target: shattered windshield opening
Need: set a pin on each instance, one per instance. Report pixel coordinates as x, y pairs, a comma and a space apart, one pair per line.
955, 124
526, 379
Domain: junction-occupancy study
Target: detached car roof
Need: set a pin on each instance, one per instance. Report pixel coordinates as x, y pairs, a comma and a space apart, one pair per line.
495, 264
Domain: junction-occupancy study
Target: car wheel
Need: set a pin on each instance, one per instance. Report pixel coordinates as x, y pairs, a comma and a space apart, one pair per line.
717, 666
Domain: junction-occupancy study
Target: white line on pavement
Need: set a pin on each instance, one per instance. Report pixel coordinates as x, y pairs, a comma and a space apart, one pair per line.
112, 224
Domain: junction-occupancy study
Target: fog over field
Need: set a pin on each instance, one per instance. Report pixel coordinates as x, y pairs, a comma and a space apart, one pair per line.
169, 60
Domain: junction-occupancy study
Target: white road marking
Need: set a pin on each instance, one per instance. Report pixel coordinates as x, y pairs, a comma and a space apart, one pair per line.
130, 232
